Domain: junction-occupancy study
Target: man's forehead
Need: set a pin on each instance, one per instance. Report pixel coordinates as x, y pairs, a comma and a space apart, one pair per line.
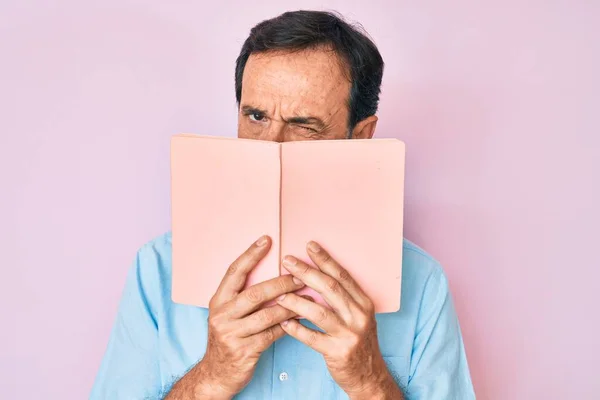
309, 75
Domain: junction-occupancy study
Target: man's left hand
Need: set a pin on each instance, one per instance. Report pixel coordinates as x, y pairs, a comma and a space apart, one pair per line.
349, 341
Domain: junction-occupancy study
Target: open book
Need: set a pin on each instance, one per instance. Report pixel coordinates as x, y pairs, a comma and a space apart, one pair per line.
347, 195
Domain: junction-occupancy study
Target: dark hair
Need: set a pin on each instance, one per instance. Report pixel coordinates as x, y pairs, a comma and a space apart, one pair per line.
300, 30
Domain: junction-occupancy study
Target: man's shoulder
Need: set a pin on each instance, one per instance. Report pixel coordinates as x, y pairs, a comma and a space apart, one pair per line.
160, 244
418, 266
155, 255
152, 270
415, 256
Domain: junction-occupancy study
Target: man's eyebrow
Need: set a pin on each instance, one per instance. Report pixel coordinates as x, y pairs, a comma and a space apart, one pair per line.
307, 121
251, 110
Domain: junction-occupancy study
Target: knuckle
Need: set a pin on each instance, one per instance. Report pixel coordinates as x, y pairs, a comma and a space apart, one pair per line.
312, 338
233, 268
214, 324
333, 285
326, 258
369, 306
347, 301
268, 336
211, 323
254, 295
282, 284
360, 319
306, 269
265, 316
363, 322
322, 315
343, 275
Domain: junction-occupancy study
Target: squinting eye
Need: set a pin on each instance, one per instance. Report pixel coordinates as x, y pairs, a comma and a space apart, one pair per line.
306, 128
256, 117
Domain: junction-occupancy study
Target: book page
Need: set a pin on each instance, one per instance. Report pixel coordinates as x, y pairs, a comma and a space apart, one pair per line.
225, 195
348, 196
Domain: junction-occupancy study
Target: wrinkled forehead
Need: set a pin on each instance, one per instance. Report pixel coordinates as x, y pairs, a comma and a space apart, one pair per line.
314, 78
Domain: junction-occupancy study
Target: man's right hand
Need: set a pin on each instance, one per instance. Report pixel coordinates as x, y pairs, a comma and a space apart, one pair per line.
239, 330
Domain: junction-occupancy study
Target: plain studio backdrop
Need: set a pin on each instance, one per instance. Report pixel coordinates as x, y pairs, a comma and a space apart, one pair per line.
498, 103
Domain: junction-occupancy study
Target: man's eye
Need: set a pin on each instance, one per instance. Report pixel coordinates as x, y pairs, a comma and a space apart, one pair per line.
257, 117
306, 128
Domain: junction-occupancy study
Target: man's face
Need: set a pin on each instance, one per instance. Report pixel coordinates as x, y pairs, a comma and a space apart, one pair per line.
294, 96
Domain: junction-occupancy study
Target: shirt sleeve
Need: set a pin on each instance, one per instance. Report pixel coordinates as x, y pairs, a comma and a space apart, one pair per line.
130, 369
439, 368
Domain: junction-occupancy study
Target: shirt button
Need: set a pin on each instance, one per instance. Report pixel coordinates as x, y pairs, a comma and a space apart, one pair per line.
283, 376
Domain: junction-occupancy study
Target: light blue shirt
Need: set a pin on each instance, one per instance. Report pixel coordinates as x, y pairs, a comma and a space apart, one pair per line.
155, 341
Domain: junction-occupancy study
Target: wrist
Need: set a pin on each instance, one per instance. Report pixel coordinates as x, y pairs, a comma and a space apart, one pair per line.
387, 390
207, 387
383, 387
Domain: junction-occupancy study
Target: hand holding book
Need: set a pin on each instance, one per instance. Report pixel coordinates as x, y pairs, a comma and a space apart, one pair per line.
239, 327
348, 342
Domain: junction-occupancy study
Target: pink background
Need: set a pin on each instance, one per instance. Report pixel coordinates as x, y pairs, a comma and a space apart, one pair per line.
498, 103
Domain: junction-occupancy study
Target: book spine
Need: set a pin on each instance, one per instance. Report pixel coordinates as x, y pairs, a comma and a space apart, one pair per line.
279, 249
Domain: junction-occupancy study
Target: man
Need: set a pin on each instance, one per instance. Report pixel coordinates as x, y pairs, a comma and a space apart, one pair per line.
301, 76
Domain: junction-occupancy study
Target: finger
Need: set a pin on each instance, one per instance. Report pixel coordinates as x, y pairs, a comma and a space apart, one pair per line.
314, 339
235, 277
263, 319
253, 297
262, 340
307, 297
329, 266
314, 312
331, 290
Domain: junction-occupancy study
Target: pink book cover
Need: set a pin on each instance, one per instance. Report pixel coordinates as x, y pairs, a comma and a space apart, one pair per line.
348, 195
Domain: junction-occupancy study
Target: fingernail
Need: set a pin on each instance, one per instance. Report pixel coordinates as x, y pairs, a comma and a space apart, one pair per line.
284, 323
314, 247
262, 241
289, 261
297, 281
281, 297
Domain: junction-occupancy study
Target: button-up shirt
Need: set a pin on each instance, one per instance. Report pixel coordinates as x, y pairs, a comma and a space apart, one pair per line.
154, 341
